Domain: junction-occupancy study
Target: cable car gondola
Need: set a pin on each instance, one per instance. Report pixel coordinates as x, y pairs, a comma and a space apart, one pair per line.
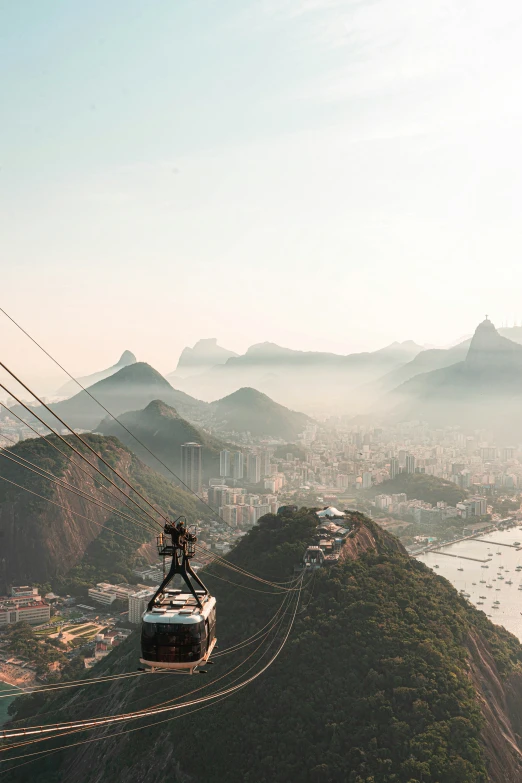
178, 629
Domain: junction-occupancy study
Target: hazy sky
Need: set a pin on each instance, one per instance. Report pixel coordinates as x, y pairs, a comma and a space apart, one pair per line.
326, 175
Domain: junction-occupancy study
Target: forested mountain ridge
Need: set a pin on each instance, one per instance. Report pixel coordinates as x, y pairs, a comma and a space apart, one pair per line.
421, 486
42, 540
389, 676
164, 431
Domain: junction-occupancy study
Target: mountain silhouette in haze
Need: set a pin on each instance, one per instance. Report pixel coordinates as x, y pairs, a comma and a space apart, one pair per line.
203, 356
484, 391
248, 410
131, 388
300, 379
164, 431
70, 388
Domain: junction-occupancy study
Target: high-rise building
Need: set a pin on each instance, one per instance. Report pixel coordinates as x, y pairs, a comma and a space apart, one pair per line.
366, 480
395, 468
254, 468
265, 463
218, 496
137, 605
191, 465
410, 463
237, 465
224, 463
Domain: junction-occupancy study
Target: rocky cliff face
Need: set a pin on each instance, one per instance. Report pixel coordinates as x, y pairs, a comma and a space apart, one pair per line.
500, 701
45, 529
38, 543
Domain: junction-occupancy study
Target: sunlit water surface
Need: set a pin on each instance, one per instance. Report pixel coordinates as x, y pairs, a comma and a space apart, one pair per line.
486, 582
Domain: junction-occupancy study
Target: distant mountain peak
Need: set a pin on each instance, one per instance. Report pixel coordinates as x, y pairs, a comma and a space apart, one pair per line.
249, 410
139, 372
158, 407
205, 354
246, 394
489, 348
126, 358
267, 348
71, 387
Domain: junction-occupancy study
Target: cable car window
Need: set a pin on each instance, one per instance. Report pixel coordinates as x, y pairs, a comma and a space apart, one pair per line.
148, 630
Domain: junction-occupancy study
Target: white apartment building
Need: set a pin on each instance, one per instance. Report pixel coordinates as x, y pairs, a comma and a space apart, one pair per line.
137, 605
34, 613
102, 596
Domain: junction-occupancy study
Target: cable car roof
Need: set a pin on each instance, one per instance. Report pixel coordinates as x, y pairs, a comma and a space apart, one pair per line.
177, 607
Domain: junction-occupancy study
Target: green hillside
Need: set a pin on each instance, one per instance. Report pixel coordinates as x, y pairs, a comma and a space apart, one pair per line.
164, 431
384, 680
431, 489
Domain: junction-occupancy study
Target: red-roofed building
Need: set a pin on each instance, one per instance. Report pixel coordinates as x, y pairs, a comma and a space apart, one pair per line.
34, 613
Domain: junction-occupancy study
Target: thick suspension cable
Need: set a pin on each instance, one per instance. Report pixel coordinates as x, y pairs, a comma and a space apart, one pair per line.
227, 564
82, 456
76, 513
30, 466
222, 561
111, 415
87, 445
234, 648
119, 498
115, 418
203, 687
89, 723
58, 686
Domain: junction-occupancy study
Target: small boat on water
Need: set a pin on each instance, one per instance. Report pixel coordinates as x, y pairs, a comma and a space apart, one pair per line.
496, 602
497, 589
489, 587
480, 603
484, 566
435, 566
460, 569
516, 543
482, 596
495, 607
473, 583
482, 581
509, 582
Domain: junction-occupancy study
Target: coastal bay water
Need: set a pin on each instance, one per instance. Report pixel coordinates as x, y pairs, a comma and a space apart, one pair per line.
486, 585
4, 702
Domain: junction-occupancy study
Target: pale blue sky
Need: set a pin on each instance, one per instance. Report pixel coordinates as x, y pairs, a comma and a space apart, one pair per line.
325, 174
